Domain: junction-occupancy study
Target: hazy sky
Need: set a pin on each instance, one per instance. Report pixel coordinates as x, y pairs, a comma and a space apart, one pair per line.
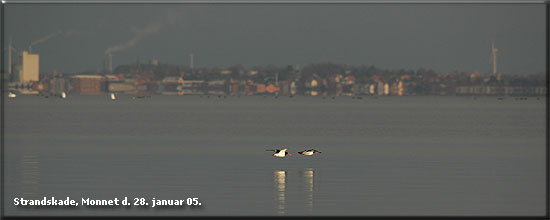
444, 37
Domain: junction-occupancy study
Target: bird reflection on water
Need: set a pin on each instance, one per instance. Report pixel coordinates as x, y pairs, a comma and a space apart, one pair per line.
308, 179
279, 179
280, 185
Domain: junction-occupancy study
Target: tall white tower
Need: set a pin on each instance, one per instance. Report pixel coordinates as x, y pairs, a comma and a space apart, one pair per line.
494, 56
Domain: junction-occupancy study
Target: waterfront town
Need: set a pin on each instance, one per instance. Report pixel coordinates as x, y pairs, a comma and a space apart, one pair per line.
317, 79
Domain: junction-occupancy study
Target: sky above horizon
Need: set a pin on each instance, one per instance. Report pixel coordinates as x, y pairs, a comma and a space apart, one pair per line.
444, 37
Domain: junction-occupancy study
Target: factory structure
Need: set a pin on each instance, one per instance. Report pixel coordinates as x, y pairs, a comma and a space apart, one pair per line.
23, 69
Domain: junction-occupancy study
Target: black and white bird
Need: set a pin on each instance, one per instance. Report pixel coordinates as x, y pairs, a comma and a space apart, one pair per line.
280, 153
309, 152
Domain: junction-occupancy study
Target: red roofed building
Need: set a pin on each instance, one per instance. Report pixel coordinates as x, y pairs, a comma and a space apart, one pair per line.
271, 88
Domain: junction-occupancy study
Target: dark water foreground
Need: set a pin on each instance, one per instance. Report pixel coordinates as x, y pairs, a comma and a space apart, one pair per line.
385, 156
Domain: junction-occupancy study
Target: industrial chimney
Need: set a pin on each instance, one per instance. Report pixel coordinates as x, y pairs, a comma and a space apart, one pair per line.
494, 58
9, 57
191, 60
110, 64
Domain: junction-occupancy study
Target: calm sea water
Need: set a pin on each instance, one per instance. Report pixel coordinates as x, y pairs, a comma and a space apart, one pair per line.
380, 156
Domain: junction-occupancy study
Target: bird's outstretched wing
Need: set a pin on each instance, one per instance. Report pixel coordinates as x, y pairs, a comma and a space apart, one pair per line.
300, 152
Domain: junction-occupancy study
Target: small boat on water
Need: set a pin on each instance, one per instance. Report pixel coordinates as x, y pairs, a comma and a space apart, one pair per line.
12, 95
113, 97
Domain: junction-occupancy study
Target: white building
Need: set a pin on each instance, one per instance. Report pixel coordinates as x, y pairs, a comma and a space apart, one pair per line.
29, 67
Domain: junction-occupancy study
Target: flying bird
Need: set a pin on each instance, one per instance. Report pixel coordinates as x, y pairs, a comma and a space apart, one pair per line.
309, 152
280, 153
